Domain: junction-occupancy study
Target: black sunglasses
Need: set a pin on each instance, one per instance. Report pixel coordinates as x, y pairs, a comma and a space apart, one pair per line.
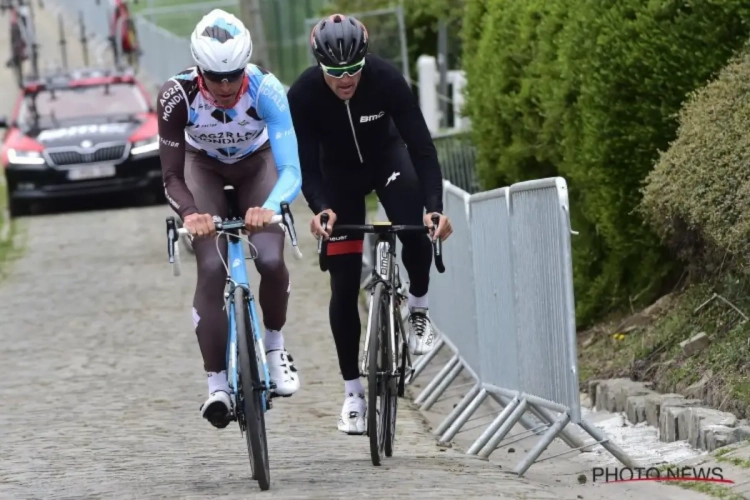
230, 77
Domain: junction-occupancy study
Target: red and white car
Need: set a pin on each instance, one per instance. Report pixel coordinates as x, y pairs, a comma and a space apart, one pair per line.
78, 133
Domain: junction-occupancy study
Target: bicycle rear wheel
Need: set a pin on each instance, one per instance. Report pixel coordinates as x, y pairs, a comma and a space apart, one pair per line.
250, 393
380, 394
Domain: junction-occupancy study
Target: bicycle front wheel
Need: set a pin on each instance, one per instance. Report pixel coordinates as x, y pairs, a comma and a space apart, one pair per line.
380, 398
250, 392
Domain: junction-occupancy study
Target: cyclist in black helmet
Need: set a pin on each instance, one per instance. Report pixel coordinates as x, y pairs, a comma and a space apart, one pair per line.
359, 129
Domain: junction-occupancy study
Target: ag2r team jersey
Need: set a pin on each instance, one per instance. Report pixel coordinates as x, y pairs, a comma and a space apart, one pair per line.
227, 135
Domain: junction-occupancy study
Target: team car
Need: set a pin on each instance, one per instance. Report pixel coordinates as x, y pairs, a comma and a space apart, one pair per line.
80, 133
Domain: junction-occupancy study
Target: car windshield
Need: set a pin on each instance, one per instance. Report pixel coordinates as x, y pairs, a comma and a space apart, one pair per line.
70, 104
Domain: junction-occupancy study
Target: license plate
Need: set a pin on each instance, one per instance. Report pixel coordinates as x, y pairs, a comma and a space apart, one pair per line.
91, 172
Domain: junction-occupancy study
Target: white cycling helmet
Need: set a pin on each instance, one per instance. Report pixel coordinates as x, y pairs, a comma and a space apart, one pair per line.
220, 43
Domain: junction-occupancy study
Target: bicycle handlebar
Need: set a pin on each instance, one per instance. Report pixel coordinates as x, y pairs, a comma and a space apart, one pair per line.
173, 233
385, 228
230, 224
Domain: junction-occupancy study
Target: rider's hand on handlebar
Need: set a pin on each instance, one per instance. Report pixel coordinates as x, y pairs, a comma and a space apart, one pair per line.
316, 228
257, 218
444, 229
200, 224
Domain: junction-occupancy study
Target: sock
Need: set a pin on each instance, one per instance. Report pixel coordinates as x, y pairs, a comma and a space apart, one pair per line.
413, 301
274, 340
353, 387
217, 381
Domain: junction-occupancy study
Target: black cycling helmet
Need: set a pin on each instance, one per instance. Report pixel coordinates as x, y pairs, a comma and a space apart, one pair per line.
339, 40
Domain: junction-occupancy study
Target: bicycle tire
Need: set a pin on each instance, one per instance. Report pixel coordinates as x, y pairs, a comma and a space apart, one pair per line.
377, 386
254, 416
392, 393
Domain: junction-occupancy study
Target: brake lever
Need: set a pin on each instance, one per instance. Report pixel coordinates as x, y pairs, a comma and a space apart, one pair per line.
171, 238
321, 242
437, 246
323, 222
288, 221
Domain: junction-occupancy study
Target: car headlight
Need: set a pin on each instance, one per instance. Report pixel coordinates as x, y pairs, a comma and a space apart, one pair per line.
145, 146
18, 157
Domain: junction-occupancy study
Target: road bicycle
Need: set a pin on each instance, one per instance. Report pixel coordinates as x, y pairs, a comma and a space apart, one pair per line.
23, 44
386, 362
247, 371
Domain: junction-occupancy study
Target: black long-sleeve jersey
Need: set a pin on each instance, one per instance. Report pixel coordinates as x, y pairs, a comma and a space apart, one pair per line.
334, 134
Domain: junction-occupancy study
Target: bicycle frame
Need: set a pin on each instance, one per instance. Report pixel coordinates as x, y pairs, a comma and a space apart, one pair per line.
238, 277
386, 270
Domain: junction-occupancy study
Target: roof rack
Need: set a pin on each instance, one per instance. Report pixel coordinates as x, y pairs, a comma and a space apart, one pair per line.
60, 78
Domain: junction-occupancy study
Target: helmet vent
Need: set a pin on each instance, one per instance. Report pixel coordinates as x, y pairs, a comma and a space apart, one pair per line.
216, 33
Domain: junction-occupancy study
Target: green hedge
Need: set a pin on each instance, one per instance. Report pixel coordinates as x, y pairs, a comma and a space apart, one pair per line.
590, 91
698, 196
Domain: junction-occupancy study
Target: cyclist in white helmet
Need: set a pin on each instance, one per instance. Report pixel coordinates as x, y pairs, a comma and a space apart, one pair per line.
226, 122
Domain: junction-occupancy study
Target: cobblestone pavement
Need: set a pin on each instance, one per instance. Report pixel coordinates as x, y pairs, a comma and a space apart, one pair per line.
101, 382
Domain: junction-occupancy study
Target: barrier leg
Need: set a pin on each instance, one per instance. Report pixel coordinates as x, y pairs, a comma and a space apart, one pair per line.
546, 416
494, 426
461, 414
542, 444
525, 421
608, 445
504, 429
437, 380
422, 362
448, 380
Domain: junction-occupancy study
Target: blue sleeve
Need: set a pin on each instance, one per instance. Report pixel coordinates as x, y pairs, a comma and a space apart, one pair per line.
273, 108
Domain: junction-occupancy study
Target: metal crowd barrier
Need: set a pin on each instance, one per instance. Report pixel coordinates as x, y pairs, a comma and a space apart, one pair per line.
506, 298
164, 53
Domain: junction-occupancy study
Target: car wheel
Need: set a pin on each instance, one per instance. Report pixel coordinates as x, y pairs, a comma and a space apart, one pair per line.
18, 208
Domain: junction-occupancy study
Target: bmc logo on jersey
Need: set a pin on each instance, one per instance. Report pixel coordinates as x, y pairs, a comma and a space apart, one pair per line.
371, 118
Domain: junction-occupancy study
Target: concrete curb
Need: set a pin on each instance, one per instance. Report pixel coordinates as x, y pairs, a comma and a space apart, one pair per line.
677, 417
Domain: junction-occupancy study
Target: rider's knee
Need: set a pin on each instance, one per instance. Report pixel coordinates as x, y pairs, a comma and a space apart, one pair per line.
211, 268
272, 266
415, 241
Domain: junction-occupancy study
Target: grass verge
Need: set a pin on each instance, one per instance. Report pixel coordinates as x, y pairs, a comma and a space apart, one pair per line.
646, 346
722, 456
711, 489
182, 20
7, 230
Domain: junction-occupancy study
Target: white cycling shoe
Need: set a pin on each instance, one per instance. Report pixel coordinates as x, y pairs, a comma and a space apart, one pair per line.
217, 409
282, 372
352, 419
421, 336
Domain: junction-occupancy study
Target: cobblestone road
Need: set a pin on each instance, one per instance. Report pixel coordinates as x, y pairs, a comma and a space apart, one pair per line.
101, 379
101, 382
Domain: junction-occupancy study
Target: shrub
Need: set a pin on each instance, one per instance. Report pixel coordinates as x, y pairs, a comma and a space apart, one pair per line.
590, 92
697, 198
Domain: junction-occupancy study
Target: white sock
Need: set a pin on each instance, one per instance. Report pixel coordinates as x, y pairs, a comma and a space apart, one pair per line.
217, 381
274, 340
353, 387
413, 301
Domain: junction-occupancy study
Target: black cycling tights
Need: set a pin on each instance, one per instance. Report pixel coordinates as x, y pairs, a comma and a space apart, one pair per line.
395, 182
